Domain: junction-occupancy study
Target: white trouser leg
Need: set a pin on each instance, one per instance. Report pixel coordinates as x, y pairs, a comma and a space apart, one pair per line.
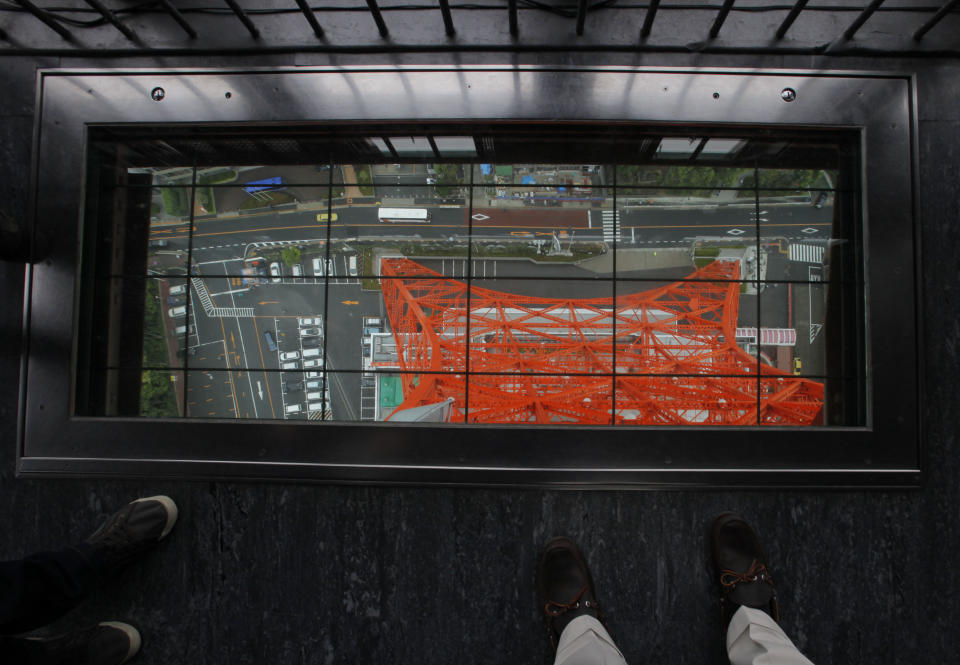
586, 642
754, 638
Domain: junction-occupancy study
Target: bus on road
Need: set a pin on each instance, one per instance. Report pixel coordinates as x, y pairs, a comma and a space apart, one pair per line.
404, 215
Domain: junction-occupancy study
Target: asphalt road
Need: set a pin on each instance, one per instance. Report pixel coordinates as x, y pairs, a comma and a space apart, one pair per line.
231, 372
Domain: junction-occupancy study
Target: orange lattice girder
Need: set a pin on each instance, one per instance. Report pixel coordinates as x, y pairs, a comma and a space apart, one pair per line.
667, 356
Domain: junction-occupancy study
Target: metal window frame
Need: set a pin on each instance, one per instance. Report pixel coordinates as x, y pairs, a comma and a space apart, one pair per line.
881, 106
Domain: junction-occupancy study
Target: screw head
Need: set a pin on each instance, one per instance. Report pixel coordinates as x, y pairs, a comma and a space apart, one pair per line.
157, 94
788, 94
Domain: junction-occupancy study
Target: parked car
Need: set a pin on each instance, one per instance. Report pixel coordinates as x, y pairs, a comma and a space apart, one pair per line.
298, 270
318, 267
308, 321
292, 386
275, 271
316, 384
797, 366
293, 364
312, 331
290, 355
311, 342
316, 362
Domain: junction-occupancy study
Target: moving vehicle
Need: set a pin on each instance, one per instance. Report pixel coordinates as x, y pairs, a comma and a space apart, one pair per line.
403, 215
275, 272
158, 243
268, 337
322, 217
290, 355
797, 366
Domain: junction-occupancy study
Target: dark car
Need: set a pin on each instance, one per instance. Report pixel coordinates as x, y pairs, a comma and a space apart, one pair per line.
268, 336
292, 386
312, 342
820, 200
158, 243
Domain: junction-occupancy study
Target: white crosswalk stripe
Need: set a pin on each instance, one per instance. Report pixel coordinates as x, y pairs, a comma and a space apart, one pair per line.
806, 253
204, 296
611, 225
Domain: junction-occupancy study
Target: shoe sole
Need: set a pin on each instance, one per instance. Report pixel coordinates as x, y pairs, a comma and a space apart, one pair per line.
132, 634
169, 506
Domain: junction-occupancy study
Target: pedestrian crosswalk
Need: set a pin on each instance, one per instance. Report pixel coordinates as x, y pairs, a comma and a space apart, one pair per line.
207, 303
611, 225
806, 253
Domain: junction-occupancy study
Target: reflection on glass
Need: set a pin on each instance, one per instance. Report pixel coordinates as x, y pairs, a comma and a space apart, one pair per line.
670, 280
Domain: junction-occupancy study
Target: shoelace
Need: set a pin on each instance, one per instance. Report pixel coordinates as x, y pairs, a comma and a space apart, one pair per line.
553, 609
562, 608
757, 572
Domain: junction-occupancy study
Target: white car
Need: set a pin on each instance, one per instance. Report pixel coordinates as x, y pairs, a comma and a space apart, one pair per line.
316, 362
318, 267
275, 271
309, 332
298, 270
290, 355
293, 364
315, 321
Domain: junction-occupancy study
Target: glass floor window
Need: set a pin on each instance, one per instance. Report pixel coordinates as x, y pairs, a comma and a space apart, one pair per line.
495, 274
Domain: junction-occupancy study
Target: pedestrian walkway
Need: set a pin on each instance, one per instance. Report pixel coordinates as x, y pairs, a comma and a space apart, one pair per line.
217, 312
806, 253
611, 225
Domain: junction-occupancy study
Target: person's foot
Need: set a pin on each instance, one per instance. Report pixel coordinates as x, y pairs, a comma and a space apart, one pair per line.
108, 643
565, 587
131, 532
740, 567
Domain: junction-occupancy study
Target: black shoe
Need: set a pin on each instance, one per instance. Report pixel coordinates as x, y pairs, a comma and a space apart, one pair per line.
109, 643
741, 569
131, 532
565, 587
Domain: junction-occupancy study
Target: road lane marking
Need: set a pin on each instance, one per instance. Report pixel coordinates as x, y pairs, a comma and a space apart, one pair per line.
256, 328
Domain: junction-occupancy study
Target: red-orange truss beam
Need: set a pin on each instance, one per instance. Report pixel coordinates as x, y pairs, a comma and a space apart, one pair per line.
667, 356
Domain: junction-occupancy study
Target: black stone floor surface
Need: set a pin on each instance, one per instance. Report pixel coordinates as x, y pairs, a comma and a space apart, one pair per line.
294, 574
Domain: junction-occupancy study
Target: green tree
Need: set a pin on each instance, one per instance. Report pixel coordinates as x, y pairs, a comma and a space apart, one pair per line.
291, 255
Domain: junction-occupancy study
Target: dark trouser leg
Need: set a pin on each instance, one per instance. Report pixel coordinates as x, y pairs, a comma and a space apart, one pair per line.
23, 651
41, 588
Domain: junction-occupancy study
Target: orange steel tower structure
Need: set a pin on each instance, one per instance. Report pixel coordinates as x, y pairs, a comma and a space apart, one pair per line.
666, 356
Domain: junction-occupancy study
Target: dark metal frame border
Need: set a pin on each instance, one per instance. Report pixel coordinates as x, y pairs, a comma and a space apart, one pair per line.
885, 453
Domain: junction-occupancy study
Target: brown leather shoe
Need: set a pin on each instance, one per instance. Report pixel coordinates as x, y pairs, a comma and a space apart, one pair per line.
565, 587
741, 569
